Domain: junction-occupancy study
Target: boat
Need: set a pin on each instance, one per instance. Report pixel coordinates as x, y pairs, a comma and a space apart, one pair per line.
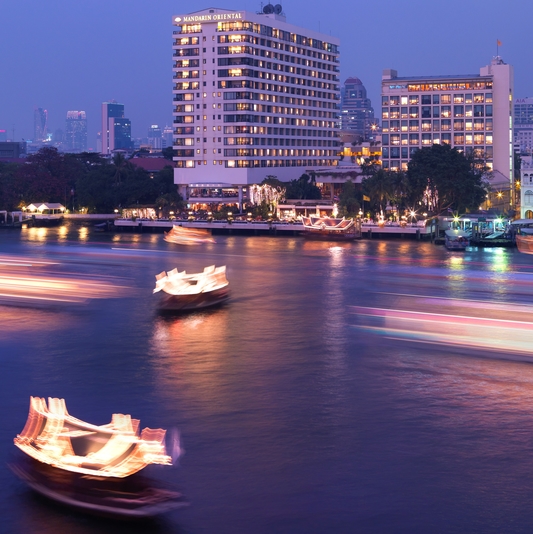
329, 228
188, 236
181, 291
134, 497
94, 468
524, 242
456, 239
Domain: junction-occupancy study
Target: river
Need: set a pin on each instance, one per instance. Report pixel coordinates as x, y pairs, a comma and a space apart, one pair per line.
373, 386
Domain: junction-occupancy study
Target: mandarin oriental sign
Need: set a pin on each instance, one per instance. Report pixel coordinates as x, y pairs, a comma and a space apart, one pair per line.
210, 17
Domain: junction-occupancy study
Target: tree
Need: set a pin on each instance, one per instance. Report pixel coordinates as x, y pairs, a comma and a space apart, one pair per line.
379, 187
443, 178
348, 202
47, 176
168, 153
303, 188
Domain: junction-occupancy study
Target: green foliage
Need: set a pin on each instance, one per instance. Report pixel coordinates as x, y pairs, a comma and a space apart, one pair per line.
303, 188
453, 180
168, 153
46, 176
348, 200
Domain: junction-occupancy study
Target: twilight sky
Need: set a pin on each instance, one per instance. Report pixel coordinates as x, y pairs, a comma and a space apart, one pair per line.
72, 55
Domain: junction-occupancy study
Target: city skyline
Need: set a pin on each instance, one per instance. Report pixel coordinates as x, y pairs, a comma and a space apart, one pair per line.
130, 61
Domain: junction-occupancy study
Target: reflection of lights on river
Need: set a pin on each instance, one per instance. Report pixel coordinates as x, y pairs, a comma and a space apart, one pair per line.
37, 234
62, 232
83, 233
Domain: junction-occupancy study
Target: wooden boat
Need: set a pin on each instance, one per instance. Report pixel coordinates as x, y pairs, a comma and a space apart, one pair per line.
188, 236
181, 291
132, 497
456, 239
524, 242
93, 467
329, 228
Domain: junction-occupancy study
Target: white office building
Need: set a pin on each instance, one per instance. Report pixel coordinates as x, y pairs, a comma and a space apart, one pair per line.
253, 96
470, 112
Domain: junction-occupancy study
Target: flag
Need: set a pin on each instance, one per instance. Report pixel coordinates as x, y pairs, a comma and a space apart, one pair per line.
498, 42
366, 198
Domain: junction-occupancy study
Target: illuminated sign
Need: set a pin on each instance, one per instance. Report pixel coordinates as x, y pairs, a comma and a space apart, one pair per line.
210, 17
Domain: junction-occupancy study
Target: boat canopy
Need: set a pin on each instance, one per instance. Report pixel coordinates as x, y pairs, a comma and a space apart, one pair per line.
456, 233
52, 436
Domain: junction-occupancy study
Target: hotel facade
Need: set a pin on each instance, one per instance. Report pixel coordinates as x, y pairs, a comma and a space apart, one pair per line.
253, 97
469, 112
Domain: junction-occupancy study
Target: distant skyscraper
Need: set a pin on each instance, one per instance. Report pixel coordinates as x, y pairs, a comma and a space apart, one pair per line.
154, 137
76, 131
116, 130
357, 113
523, 124
40, 124
3, 136
167, 136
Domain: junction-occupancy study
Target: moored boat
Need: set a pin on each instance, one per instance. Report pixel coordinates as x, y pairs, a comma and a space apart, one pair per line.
456, 239
180, 291
329, 228
188, 236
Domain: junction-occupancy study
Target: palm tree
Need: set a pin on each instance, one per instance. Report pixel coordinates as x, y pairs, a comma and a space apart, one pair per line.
121, 166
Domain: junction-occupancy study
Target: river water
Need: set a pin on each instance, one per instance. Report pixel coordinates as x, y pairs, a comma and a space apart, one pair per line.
373, 386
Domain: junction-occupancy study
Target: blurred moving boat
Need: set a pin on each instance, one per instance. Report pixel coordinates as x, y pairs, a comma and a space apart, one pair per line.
181, 291
188, 236
328, 228
456, 239
524, 242
93, 468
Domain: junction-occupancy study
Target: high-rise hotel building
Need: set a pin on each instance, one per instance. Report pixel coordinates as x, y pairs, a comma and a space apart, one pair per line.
469, 112
253, 96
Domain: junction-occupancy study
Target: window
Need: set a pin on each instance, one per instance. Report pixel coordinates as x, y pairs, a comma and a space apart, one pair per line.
446, 125
426, 112
426, 126
413, 99
479, 98
488, 111
436, 99
446, 139
458, 99
413, 126
446, 111
458, 111
436, 126
479, 124
413, 139
479, 111
436, 111
459, 125
426, 100
468, 98
426, 139
446, 99
458, 139
479, 139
